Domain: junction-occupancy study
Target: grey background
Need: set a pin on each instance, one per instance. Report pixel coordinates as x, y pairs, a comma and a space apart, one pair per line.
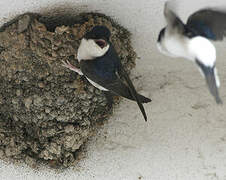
185, 137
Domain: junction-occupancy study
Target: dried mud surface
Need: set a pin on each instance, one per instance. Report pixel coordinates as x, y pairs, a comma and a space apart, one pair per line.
47, 112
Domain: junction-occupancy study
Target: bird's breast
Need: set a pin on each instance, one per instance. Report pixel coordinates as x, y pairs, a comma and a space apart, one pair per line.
176, 46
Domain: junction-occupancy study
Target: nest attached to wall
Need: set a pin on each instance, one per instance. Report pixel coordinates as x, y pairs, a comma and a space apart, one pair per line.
47, 112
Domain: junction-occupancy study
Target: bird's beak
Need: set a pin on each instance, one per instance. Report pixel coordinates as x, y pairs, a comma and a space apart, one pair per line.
101, 43
211, 80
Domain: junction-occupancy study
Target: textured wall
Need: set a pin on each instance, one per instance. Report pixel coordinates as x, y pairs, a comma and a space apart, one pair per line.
185, 136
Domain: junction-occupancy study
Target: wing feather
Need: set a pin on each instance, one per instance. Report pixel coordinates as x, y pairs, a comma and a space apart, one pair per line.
109, 79
208, 23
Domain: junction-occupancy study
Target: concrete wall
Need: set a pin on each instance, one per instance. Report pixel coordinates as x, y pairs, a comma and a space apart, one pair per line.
185, 137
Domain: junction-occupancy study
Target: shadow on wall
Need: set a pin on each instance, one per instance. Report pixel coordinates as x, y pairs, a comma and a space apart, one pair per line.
56, 16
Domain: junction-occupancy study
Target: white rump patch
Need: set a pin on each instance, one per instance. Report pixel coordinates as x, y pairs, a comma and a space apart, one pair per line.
203, 50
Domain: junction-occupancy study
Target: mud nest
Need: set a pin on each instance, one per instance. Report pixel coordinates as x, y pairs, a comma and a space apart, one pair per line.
48, 112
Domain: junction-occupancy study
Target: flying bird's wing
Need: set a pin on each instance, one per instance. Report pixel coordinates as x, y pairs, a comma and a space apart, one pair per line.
208, 23
103, 71
172, 19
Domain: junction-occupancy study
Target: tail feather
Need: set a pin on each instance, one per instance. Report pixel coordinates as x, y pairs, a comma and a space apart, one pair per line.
143, 99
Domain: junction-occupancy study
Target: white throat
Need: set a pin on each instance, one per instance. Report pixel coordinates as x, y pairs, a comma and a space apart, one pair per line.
174, 45
89, 50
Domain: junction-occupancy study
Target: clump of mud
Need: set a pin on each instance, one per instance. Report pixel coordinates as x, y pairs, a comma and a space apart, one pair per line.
48, 112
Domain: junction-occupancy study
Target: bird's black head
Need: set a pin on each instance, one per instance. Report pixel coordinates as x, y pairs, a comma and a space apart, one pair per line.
100, 34
161, 34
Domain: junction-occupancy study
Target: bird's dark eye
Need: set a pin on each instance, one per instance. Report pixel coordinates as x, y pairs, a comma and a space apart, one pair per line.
101, 43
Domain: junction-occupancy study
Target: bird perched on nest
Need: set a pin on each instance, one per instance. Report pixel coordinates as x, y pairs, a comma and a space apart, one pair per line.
192, 41
101, 66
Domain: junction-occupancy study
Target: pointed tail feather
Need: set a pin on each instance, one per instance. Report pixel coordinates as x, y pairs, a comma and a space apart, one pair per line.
143, 99
133, 92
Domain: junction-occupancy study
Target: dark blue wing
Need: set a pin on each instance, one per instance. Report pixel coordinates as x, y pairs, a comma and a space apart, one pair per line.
201, 29
104, 71
208, 23
106, 67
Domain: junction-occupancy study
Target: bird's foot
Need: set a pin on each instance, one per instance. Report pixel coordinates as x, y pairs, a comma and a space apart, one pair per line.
68, 65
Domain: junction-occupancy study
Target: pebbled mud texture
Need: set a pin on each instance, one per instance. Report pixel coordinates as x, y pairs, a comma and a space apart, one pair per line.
47, 112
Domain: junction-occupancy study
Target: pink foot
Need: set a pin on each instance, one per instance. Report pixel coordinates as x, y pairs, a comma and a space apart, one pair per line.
68, 65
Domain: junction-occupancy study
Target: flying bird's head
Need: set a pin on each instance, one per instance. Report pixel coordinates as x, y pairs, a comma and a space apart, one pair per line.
95, 43
160, 43
204, 53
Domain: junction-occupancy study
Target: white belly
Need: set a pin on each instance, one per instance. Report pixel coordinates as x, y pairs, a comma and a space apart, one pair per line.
176, 46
